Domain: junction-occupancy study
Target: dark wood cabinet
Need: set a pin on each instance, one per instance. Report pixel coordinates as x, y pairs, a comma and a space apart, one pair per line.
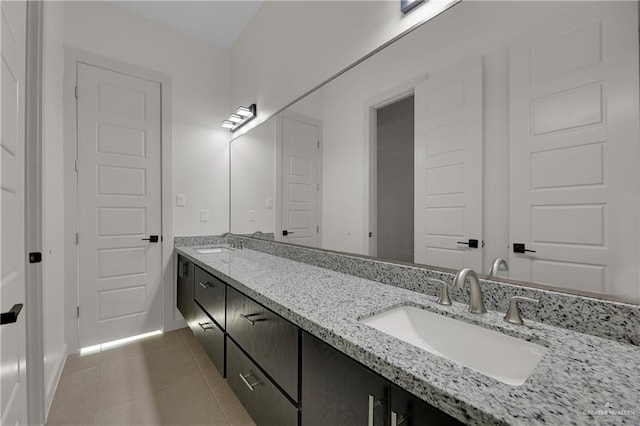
211, 337
185, 295
209, 292
284, 376
263, 401
337, 390
408, 410
269, 339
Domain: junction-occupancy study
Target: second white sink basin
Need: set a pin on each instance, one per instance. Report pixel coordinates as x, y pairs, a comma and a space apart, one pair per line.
502, 357
211, 250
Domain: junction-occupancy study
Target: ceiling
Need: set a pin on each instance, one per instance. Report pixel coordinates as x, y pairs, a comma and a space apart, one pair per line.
217, 22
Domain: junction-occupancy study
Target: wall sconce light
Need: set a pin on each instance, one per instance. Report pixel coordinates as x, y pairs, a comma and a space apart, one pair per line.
242, 116
407, 5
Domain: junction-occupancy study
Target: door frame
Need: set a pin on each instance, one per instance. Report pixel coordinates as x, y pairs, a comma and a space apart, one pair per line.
278, 175
171, 318
34, 302
371, 107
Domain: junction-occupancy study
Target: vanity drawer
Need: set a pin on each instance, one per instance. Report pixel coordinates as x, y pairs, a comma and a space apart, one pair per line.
210, 336
264, 402
269, 339
210, 294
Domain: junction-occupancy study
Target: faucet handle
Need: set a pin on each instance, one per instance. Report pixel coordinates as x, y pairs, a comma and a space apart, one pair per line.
444, 291
513, 314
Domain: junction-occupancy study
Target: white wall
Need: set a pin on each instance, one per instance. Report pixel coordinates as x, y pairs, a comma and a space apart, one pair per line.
292, 46
200, 80
253, 176
53, 274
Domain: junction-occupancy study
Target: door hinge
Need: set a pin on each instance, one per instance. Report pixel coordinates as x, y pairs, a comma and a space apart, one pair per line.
317, 187
318, 144
77, 238
317, 229
76, 92
77, 311
77, 166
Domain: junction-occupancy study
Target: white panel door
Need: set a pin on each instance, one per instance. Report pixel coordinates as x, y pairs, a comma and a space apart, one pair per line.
448, 167
299, 211
119, 205
574, 150
13, 408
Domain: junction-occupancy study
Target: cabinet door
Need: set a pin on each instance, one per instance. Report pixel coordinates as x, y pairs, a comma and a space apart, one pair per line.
336, 390
269, 339
408, 410
185, 301
210, 294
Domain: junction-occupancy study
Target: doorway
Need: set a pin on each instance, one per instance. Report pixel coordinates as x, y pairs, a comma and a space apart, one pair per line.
394, 180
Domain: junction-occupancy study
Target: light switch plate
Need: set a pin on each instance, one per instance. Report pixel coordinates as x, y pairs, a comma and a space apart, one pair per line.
204, 215
269, 203
252, 215
181, 200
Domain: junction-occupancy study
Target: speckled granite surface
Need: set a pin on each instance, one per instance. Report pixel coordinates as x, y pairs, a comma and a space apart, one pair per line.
586, 315
581, 380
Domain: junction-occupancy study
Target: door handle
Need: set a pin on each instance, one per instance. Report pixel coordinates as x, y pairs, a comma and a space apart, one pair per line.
285, 232
11, 316
151, 239
470, 243
521, 248
373, 404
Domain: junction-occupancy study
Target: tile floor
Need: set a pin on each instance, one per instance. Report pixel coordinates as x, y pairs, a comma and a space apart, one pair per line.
166, 379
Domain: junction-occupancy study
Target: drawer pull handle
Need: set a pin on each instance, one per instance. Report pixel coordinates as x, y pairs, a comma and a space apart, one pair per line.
373, 404
251, 386
251, 321
206, 285
204, 324
397, 420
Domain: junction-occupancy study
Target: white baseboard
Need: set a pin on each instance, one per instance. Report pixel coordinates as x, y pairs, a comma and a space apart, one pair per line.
55, 380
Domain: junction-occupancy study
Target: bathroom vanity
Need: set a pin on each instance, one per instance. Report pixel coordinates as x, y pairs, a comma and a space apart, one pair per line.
292, 341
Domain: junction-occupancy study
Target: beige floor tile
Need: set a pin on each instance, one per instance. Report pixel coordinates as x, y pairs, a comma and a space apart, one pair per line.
122, 381
75, 397
77, 422
75, 362
187, 403
234, 410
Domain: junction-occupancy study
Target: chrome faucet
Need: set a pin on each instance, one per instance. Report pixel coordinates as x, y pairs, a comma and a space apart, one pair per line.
499, 264
476, 304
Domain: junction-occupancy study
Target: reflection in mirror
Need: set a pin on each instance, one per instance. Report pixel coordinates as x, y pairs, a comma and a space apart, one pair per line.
497, 130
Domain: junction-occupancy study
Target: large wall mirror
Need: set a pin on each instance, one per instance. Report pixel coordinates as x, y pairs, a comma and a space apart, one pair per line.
496, 130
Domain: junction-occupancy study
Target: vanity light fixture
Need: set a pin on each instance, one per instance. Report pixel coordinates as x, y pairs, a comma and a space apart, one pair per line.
239, 118
407, 5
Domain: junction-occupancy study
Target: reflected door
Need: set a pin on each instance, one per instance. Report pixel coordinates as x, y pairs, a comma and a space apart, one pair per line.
13, 410
574, 151
118, 205
300, 141
448, 168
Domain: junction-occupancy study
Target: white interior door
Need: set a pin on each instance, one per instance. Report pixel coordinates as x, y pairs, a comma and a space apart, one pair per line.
574, 150
119, 195
12, 286
448, 167
300, 185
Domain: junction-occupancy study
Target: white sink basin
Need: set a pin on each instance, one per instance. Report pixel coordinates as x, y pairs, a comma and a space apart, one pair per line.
210, 250
502, 357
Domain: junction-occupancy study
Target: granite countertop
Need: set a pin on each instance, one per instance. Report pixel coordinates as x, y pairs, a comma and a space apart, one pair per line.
582, 379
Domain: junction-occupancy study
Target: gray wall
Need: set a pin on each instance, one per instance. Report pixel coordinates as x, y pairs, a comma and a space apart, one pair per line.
395, 180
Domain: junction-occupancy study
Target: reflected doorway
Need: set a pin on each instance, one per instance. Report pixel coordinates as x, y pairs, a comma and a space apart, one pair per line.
394, 181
